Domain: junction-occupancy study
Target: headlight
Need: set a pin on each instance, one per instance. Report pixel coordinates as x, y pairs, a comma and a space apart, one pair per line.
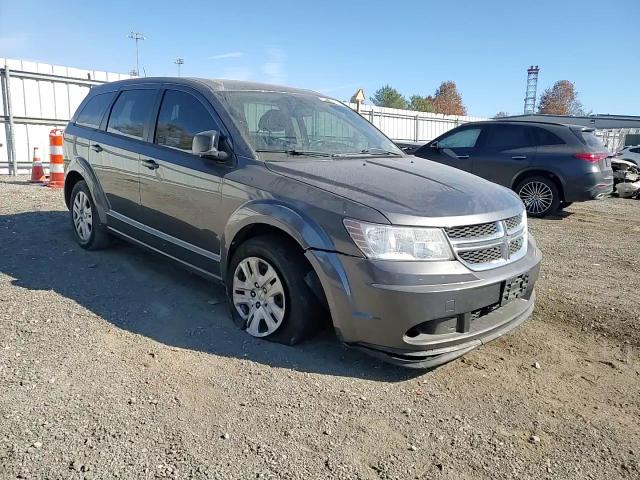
385, 242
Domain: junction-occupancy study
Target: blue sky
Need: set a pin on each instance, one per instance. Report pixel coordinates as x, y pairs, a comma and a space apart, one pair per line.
338, 46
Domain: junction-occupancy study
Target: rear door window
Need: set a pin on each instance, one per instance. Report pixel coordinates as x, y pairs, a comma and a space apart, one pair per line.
181, 117
466, 138
131, 112
507, 137
545, 137
634, 150
92, 113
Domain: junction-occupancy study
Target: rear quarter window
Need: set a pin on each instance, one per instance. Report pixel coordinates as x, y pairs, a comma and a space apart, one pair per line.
589, 139
92, 113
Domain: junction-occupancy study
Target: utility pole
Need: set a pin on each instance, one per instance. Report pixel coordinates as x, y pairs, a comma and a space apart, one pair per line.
137, 36
179, 61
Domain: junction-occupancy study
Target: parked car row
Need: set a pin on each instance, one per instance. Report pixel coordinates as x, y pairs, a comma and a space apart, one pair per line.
305, 211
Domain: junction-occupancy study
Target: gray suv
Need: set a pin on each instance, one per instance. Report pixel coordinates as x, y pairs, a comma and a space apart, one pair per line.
305, 211
550, 165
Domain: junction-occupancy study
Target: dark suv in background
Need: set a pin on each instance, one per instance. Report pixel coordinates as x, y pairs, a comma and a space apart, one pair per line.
550, 165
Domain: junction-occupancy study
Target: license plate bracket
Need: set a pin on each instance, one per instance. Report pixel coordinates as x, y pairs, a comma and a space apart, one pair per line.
514, 288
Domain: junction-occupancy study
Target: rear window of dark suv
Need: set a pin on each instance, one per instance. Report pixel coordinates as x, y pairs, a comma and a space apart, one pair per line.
589, 139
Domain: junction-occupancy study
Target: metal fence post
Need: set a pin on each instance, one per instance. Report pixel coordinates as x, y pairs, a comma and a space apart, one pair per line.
12, 160
417, 128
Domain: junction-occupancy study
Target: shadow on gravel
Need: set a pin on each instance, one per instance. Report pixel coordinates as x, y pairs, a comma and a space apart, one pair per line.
149, 295
559, 215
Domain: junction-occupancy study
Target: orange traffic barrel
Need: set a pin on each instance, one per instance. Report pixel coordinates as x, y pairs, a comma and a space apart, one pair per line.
56, 159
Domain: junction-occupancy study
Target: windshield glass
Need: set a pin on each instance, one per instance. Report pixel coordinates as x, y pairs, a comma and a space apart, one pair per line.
303, 124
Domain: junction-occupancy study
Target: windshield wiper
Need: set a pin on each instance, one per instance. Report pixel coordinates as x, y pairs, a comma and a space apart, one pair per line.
294, 152
380, 151
370, 151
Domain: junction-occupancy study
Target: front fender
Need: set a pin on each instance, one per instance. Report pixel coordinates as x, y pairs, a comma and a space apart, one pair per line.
83, 168
307, 233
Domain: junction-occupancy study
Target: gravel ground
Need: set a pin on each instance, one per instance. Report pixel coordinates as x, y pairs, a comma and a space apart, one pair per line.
117, 364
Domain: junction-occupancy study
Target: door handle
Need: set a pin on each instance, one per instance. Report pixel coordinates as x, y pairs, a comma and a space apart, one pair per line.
519, 157
96, 148
462, 157
151, 164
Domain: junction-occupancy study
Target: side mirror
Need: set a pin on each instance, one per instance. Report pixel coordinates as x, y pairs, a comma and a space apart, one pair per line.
434, 145
205, 145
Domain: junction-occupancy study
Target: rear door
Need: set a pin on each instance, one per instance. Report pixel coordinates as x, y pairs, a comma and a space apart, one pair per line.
503, 152
89, 120
180, 192
456, 148
115, 152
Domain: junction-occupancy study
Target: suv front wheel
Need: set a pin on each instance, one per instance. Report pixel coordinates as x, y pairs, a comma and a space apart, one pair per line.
540, 196
268, 295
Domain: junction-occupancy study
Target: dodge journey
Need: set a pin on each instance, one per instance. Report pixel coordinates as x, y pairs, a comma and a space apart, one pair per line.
305, 211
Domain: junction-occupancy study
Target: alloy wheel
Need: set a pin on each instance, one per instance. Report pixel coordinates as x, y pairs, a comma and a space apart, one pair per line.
536, 196
82, 216
258, 296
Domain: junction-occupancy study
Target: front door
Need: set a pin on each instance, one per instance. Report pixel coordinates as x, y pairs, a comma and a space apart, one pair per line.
455, 149
180, 192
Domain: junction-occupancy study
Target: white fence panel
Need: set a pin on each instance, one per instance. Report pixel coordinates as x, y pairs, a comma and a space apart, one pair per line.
43, 97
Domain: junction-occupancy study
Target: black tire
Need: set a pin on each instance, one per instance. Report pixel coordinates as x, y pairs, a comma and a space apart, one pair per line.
564, 205
99, 237
303, 312
526, 189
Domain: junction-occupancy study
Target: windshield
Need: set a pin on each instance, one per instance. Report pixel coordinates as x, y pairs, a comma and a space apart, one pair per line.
287, 124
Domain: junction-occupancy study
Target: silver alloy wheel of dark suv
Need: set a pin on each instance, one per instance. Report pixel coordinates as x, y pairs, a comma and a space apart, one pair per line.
540, 196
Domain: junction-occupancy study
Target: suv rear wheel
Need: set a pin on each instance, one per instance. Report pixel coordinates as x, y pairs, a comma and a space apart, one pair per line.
540, 195
268, 295
89, 232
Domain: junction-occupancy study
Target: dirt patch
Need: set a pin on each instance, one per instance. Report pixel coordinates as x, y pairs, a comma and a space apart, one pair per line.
120, 364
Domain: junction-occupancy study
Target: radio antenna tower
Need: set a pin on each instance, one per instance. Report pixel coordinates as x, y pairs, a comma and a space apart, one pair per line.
532, 87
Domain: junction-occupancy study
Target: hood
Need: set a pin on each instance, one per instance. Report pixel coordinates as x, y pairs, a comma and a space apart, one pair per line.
407, 190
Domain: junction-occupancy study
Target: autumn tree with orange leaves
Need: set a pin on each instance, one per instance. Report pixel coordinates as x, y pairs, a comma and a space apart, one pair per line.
561, 99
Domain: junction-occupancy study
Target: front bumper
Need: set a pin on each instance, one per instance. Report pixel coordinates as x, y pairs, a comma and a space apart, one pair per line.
423, 314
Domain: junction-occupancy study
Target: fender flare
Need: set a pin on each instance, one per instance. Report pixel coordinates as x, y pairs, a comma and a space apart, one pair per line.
307, 233
83, 168
537, 171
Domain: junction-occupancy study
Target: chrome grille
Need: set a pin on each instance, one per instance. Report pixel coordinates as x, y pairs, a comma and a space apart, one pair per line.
485, 255
473, 231
489, 245
513, 223
515, 245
